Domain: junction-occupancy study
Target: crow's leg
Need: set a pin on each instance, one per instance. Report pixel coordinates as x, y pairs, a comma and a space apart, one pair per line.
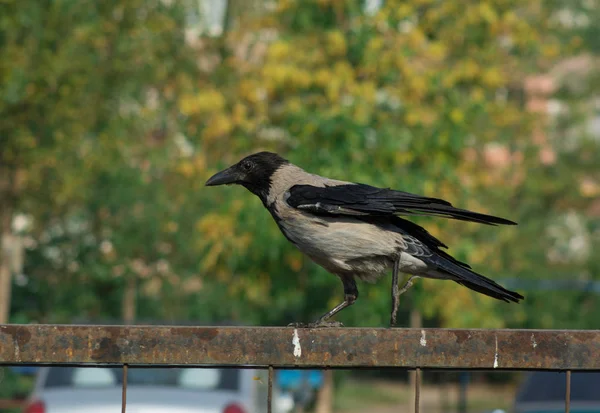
397, 292
350, 296
408, 284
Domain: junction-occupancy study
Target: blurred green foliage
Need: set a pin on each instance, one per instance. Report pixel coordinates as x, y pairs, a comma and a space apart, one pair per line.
112, 121
14, 386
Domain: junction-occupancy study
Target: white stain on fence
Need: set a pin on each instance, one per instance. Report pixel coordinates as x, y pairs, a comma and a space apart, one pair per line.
496, 354
296, 343
423, 340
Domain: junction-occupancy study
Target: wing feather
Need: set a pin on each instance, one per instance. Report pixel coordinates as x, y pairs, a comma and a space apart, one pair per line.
366, 200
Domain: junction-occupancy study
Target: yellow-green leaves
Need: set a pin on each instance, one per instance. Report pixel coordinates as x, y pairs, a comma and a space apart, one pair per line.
115, 123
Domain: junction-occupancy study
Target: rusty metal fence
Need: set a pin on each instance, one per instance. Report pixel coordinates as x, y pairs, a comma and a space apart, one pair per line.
283, 348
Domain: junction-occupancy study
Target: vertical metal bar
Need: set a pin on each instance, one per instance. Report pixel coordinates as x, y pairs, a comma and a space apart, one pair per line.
124, 389
568, 393
462, 391
417, 389
270, 391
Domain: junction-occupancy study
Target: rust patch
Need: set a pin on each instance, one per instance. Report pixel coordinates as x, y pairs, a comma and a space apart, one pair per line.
207, 334
106, 350
462, 336
204, 334
19, 334
335, 347
109, 347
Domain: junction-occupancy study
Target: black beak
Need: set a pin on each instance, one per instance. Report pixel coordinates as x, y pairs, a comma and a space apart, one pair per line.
226, 177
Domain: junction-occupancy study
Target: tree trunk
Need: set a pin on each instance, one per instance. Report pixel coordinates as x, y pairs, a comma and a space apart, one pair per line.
129, 300
11, 182
325, 396
5, 280
5, 235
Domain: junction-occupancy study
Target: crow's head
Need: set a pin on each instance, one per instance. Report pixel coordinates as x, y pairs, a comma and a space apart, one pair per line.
254, 172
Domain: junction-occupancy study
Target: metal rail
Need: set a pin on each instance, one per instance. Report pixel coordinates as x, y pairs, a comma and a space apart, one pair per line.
292, 348
275, 347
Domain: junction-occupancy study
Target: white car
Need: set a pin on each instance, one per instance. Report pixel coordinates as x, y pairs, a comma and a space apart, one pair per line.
153, 390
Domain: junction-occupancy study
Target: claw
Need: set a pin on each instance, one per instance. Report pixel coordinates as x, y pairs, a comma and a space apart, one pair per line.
325, 324
317, 324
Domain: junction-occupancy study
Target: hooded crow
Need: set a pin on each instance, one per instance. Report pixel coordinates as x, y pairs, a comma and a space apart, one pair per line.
355, 230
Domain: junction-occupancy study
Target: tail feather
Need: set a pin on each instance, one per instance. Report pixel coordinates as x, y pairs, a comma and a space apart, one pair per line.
449, 211
476, 282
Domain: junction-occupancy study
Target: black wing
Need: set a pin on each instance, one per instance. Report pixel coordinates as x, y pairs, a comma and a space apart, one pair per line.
361, 200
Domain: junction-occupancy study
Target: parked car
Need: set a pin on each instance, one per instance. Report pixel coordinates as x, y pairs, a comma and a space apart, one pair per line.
302, 385
153, 390
544, 392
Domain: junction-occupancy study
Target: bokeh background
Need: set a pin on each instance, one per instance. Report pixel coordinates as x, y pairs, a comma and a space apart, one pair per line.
114, 113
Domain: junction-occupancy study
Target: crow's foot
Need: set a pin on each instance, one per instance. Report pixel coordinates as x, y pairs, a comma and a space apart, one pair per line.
317, 324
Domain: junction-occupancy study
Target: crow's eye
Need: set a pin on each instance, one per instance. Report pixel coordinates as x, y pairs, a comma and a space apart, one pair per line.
246, 166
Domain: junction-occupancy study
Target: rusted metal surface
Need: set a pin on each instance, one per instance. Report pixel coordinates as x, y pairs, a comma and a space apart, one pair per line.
124, 389
270, 390
417, 390
289, 347
568, 393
